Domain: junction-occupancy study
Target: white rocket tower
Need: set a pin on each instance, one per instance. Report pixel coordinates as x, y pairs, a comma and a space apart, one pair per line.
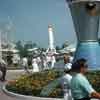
50, 57
51, 38
51, 48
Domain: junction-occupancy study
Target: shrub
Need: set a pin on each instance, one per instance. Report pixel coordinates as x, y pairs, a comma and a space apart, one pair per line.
33, 84
94, 78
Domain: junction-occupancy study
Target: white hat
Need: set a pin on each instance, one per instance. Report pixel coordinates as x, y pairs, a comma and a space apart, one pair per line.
68, 66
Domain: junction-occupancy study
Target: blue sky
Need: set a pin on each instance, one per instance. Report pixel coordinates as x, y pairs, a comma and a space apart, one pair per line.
31, 18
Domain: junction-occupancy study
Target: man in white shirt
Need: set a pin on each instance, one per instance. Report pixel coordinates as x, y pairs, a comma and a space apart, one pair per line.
66, 79
53, 61
35, 65
25, 64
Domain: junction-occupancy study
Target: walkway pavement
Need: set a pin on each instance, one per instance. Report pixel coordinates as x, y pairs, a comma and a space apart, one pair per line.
10, 75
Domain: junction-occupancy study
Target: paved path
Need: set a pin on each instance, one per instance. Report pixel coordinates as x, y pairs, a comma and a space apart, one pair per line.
10, 75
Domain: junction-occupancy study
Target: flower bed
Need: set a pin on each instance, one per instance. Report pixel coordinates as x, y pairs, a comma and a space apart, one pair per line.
94, 79
34, 84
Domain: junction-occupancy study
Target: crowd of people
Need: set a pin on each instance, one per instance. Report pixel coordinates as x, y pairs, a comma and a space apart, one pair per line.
39, 64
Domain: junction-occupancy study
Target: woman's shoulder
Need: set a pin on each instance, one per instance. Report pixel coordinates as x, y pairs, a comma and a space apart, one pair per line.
81, 78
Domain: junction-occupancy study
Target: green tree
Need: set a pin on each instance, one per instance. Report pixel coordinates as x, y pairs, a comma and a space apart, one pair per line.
30, 45
99, 40
57, 47
23, 49
65, 44
34, 45
20, 47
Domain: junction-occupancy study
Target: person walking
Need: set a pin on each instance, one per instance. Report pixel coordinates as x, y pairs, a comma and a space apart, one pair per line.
3, 68
53, 61
66, 82
66, 79
25, 64
80, 87
35, 65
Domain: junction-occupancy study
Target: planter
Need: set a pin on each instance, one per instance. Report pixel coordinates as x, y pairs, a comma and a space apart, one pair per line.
46, 81
19, 96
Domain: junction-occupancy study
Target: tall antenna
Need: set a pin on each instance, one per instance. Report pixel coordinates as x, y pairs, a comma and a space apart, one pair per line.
10, 32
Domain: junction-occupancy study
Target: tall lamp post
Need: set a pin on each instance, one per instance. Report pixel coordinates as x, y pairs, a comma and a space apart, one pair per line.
85, 15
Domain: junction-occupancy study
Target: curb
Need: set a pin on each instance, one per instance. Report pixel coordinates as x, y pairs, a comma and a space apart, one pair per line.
24, 97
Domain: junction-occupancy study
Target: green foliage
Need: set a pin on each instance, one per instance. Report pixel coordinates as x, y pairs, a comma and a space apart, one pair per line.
99, 40
23, 49
9, 57
94, 78
20, 47
58, 48
35, 84
65, 44
47, 90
